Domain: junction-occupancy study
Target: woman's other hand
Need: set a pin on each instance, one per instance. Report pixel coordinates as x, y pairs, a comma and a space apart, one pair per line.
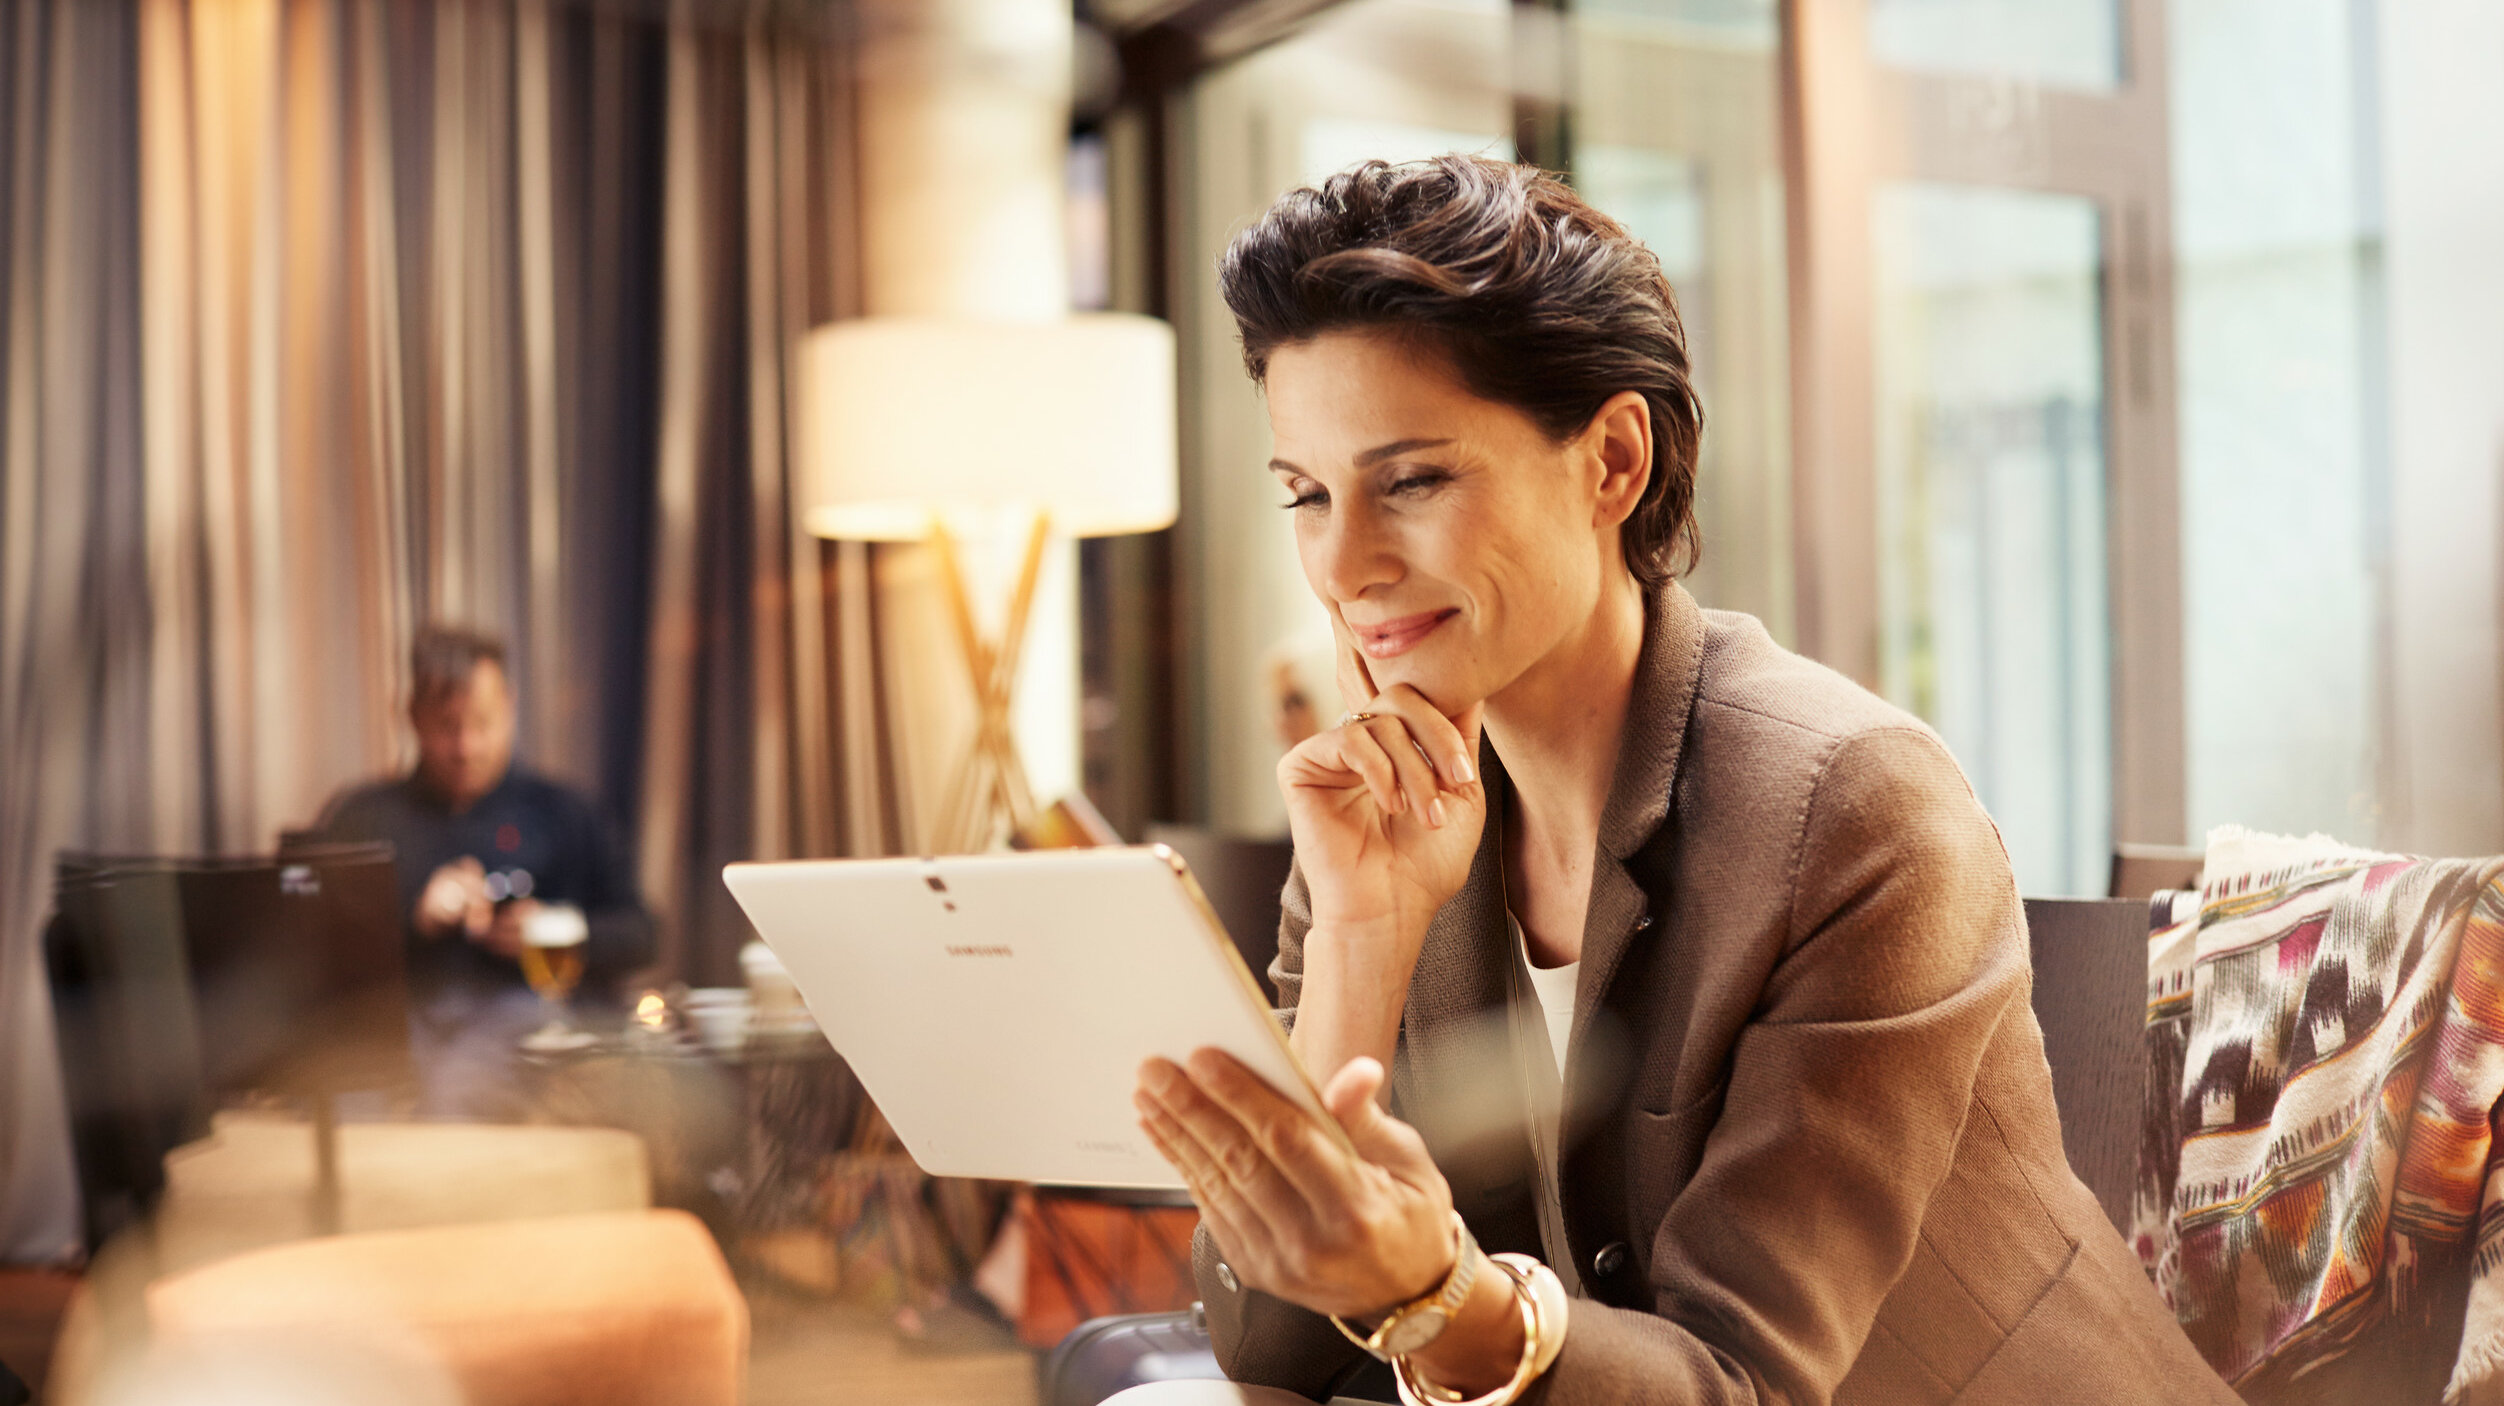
1356, 1227
1385, 809
1353, 1228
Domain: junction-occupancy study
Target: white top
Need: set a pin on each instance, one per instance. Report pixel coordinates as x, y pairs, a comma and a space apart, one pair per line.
1554, 987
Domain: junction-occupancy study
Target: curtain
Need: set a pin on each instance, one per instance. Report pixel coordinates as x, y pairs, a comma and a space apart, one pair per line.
74, 637
766, 736
329, 317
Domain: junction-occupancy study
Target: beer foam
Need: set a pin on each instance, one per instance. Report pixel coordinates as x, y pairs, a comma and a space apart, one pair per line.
555, 925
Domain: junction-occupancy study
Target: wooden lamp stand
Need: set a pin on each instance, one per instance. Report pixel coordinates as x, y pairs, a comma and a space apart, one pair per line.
989, 784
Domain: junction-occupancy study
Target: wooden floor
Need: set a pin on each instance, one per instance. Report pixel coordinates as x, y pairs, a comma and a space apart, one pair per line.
804, 1351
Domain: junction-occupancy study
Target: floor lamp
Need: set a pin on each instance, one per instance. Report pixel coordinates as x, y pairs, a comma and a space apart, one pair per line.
952, 432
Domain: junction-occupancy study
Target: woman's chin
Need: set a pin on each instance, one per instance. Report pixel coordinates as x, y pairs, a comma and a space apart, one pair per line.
1449, 690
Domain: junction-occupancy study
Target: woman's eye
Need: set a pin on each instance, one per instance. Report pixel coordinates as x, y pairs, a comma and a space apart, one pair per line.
1418, 483
1310, 498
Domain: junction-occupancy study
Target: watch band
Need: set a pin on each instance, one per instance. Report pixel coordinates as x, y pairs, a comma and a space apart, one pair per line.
1435, 1309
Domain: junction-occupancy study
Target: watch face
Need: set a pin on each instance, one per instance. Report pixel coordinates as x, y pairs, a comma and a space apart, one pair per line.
1415, 1329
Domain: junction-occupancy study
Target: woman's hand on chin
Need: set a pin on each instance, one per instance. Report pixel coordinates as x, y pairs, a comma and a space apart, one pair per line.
1385, 809
1354, 1227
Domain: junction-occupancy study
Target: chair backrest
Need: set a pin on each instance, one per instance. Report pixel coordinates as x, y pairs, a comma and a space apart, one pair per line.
2144, 871
1243, 880
2090, 996
180, 982
127, 1027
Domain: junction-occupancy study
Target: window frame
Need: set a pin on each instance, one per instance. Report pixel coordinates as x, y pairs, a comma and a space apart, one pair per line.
1852, 124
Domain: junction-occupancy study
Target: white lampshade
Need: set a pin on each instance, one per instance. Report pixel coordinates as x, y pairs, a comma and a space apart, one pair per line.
904, 419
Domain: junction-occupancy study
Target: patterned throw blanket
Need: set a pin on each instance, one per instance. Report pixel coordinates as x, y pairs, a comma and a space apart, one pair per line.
2321, 1197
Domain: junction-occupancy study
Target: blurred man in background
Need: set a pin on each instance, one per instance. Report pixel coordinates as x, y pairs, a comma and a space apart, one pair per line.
481, 846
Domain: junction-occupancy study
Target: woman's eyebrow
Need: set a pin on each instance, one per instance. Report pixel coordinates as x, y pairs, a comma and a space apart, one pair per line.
1371, 456
1381, 452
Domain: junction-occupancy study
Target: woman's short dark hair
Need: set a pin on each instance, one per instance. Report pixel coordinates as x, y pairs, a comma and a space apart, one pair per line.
1539, 301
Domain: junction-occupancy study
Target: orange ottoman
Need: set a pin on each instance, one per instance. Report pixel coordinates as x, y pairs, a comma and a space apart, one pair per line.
615, 1308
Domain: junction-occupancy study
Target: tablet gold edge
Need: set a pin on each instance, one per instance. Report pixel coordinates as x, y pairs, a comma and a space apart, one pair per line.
1213, 930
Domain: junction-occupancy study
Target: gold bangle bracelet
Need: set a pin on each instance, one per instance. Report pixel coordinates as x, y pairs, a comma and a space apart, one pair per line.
1415, 1390
1554, 1305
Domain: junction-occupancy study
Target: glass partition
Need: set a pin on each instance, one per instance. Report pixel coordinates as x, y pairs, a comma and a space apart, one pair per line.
2063, 43
1991, 487
1676, 113
2284, 499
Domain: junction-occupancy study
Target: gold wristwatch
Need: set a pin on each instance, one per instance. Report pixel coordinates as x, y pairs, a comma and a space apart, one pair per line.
1414, 1324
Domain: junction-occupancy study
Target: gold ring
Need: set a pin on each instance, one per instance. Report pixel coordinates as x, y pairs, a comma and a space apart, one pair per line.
1347, 718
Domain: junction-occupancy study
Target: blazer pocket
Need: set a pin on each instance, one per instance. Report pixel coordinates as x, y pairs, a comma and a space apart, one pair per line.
1708, 1107
1663, 1153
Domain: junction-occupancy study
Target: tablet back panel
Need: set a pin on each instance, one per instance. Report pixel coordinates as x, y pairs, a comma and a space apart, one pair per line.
997, 1006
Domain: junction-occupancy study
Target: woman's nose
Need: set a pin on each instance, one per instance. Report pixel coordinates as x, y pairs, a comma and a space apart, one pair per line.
1355, 557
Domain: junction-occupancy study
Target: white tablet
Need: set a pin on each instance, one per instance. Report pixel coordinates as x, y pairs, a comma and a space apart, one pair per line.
997, 1006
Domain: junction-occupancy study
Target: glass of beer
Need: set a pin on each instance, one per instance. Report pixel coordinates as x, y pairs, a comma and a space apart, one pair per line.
552, 962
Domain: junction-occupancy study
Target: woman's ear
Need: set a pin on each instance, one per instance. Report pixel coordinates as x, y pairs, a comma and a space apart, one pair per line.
1619, 434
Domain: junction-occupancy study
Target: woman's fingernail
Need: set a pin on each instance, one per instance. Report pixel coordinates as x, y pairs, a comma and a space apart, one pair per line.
1462, 772
1434, 811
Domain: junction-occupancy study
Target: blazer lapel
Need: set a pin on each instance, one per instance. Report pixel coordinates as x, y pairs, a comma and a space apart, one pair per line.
1460, 971
1666, 674
1457, 1080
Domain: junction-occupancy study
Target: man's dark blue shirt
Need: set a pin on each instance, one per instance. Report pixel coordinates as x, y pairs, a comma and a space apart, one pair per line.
527, 826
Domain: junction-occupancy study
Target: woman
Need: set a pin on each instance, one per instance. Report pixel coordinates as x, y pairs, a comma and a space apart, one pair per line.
1698, 972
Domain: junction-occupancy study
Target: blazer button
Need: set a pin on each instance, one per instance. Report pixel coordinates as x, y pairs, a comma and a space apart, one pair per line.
1226, 1276
1612, 1258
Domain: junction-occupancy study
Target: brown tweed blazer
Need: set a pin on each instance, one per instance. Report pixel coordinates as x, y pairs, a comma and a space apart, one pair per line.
1809, 1147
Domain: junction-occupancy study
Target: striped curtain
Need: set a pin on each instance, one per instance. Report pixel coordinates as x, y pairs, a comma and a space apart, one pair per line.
74, 630
329, 317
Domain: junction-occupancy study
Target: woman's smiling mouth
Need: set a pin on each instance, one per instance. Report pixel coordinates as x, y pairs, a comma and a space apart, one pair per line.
1392, 638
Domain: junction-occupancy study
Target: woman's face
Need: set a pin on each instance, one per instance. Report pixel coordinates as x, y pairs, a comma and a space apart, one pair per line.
1456, 542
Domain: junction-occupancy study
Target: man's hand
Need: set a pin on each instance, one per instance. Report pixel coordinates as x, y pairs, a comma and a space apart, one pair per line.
455, 901
504, 932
